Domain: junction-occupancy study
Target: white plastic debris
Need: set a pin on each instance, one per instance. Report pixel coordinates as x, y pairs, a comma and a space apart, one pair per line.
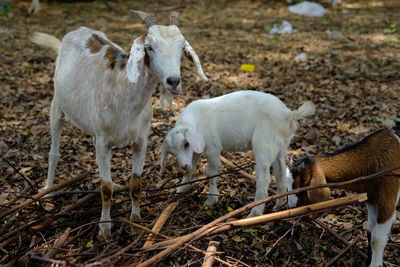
334, 34
309, 9
285, 27
301, 57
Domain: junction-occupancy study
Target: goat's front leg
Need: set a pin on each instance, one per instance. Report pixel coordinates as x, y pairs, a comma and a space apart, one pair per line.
103, 158
213, 165
280, 175
135, 183
188, 177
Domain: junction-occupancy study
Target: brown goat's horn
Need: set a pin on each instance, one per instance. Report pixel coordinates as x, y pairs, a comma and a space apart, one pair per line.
174, 19
147, 18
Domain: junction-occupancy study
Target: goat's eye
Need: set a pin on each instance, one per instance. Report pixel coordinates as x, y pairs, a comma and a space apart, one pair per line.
148, 48
186, 145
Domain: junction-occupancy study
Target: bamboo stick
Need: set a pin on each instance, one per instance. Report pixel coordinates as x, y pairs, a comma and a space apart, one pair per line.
58, 244
210, 254
288, 214
160, 223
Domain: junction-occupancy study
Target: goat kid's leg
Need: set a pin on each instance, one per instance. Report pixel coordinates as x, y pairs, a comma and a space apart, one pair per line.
56, 124
188, 177
34, 7
213, 165
262, 185
103, 158
280, 175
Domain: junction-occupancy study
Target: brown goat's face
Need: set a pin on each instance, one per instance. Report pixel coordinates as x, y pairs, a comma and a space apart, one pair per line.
301, 178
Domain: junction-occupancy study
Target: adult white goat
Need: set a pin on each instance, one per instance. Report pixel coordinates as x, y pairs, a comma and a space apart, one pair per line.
106, 93
237, 121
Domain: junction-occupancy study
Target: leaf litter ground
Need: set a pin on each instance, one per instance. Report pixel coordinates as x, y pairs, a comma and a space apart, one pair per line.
352, 74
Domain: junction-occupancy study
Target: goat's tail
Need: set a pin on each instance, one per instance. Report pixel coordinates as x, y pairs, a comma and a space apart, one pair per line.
46, 40
307, 109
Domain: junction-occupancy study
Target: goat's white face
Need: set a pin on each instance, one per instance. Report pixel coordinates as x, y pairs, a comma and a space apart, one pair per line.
182, 142
161, 50
164, 45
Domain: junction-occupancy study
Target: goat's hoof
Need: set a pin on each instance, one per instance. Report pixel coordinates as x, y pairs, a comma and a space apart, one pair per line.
277, 207
136, 219
210, 202
104, 231
254, 213
48, 194
182, 189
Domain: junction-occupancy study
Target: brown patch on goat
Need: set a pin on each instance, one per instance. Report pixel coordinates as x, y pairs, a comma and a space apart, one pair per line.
114, 57
106, 193
96, 43
146, 59
134, 186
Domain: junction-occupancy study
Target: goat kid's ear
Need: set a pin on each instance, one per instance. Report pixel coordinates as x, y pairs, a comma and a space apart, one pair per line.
195, 140
163, 157
318, 195
191, 55
136, 59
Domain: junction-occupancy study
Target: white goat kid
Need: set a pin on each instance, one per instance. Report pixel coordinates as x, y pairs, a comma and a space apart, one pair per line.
106, 93
238, 121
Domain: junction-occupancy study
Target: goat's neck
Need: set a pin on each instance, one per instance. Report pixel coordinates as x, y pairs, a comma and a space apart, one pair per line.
187, 120
342, 166
139, 94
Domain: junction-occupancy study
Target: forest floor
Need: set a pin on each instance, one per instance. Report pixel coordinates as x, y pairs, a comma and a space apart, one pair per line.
352, 73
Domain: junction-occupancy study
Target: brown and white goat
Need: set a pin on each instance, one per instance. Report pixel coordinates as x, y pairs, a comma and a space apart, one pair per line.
107, 92
376, 152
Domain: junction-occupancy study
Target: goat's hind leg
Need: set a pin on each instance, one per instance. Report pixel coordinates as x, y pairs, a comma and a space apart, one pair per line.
380, 233
56, 124
280, 175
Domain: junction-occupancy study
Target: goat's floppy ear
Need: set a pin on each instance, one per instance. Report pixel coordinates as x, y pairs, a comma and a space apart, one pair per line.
195, 140
190, 54
136, 59
163, 156
318, 195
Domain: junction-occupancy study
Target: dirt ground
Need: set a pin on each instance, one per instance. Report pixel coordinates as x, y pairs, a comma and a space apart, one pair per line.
352, 73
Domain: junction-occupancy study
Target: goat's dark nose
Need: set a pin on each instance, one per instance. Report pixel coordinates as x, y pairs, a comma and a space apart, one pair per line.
173, 81
186, 167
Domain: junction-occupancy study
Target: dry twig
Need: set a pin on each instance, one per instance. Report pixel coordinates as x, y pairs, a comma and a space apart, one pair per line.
42, 193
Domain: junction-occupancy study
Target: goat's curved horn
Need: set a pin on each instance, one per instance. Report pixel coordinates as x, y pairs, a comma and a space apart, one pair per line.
174, 18
147, 18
